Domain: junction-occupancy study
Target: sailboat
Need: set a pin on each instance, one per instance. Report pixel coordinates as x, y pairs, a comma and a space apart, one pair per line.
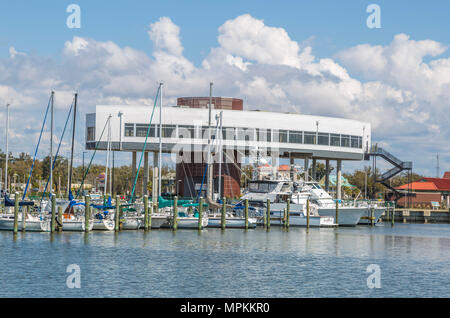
32, 223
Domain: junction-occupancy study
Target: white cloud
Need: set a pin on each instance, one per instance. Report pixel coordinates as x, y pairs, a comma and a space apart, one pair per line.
404, 97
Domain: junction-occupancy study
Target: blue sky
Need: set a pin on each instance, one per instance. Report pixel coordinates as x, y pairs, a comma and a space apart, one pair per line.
331, 25
381, 82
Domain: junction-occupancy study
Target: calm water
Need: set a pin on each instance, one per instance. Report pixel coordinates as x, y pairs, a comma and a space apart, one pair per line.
414, 260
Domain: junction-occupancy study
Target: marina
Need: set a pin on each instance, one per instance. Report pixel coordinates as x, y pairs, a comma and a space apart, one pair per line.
215, 158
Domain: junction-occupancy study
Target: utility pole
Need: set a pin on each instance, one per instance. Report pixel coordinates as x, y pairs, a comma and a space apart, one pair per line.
437, 165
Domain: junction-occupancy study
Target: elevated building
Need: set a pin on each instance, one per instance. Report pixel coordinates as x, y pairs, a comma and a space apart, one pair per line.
245, 133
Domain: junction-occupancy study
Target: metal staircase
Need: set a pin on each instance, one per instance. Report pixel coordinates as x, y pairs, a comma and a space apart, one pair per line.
399, 166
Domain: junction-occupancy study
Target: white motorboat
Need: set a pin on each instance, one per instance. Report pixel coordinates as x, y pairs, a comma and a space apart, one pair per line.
278, 192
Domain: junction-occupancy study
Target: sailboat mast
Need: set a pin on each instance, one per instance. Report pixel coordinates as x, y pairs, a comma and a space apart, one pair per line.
7, 151
160, 141
51, 143
73, 141
209, 189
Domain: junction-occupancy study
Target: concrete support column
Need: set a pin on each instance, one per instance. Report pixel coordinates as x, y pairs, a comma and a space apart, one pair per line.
145, 172
291, 172
338, 179
327, 175
306, 169
313, 173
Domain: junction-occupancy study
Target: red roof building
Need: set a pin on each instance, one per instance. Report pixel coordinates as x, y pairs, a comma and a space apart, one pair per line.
428, 190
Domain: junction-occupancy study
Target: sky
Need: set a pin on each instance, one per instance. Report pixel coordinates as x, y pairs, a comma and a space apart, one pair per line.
311, 57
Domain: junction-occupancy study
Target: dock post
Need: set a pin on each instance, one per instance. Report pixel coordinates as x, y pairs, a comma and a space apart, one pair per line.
246, 214
268, 214
307, 213
24, 218
16, 212
337, 213
53, 223
371, 217
60, 218
288, 210
284, 218
224, 212
265, 219
175, 214
146, 212
117, 215
87, 212
200, 212
393, 216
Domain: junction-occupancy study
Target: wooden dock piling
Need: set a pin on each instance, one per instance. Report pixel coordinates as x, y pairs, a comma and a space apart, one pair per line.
175, 214
16, 212
53, 221
246, 214
372, 218
336, 220
60, 219
288, 210
393, 217
200, 212
307, 213
87, 212
268, 214
24, 218
224, 213
146, 212
117, 215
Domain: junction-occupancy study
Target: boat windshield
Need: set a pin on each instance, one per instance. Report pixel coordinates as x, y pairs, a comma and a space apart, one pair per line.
263, 187
315, 186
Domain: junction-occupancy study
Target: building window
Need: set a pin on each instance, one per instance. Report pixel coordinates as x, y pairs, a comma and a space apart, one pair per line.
185, 132
345, 141
263, 134
168, 131
309, 137
335, 140
282, 136
246, 134
360, 142
354, 142
228, 133
141, 130
90, 133
295, 137
129, 130
324, 139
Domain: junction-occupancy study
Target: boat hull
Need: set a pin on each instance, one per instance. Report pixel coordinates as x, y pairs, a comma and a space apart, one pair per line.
231, 222
103, 225
7, 224
348, 216
76, 225
377, 213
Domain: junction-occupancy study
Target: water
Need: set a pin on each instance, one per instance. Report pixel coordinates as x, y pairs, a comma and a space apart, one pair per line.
414, 261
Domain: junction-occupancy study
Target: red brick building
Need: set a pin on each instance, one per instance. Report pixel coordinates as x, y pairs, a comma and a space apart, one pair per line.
428, 190
191, 175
